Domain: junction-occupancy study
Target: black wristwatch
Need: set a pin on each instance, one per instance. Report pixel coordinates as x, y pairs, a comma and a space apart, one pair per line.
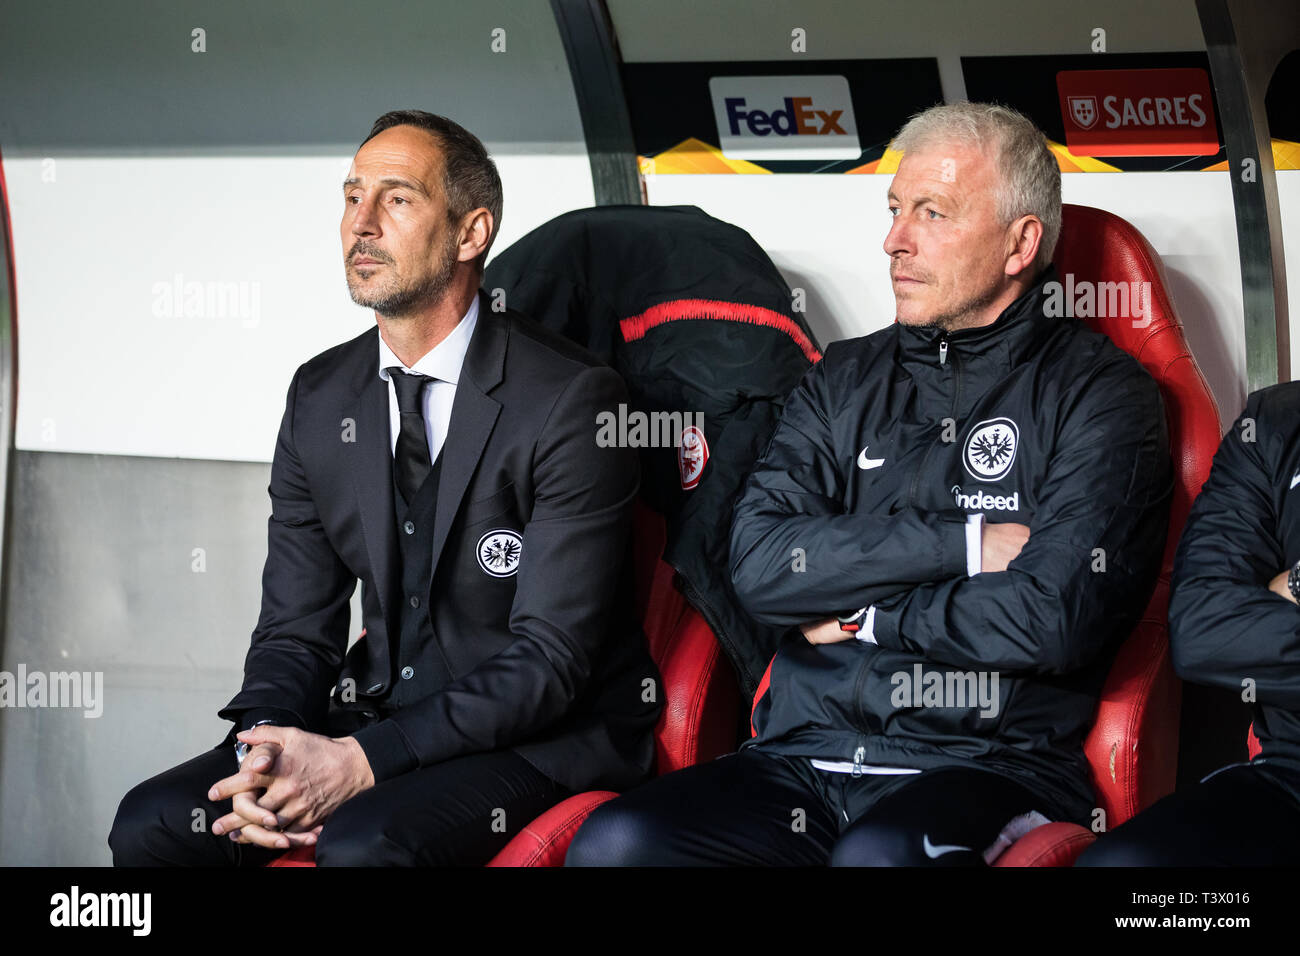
852, 623
1293, 581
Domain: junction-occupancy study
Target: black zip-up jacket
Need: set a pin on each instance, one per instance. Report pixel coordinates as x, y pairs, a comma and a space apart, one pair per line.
1226, 628
1032, 419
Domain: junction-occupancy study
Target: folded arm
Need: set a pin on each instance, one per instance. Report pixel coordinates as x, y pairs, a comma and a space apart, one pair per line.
1092, 556
796, 555
1226, 626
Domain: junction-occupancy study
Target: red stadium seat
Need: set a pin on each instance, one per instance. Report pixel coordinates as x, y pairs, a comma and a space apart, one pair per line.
1133, 745
701, 702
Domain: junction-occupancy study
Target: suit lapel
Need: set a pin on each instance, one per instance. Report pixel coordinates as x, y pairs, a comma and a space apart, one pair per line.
473, 416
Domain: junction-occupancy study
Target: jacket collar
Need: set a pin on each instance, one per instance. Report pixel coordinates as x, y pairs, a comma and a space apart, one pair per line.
485, 358
445, 360
996, 347
483, 363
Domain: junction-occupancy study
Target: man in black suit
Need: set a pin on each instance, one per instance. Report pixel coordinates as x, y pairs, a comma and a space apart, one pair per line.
447, 458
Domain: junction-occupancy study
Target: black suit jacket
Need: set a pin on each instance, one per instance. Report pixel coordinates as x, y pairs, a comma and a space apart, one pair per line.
549, 661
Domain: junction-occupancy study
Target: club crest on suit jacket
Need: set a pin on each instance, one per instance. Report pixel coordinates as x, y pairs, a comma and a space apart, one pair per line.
499, 552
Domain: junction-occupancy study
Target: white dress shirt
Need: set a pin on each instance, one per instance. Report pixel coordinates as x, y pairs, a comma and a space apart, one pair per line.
442, 363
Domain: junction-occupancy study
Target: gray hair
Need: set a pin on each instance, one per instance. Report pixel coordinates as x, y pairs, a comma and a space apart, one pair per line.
1029, 179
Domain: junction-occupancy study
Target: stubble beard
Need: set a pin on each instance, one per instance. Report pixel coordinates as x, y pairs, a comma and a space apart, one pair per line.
397, 303
962, 315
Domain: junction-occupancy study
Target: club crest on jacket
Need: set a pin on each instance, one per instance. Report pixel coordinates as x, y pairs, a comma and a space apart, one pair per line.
991, 448
692, 456
499, 552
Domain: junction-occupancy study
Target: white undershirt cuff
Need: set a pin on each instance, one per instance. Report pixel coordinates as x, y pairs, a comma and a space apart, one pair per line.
974, 544
868, 630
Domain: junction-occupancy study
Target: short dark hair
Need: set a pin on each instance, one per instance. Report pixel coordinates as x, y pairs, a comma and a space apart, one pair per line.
469, 177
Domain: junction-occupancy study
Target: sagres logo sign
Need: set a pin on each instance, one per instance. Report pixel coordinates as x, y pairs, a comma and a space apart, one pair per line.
1137, 112
784, 117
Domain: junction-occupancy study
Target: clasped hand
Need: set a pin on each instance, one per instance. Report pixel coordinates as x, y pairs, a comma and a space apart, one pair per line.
289, 783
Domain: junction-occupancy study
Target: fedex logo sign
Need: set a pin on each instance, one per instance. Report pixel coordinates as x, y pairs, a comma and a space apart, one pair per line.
797, 119
784, 117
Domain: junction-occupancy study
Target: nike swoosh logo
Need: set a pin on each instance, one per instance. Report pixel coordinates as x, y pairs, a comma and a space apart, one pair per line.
934, 852
1295, 479
866, 463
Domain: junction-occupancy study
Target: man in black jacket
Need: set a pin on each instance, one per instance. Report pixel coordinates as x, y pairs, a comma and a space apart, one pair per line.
1234, 623
447, 458
963, 515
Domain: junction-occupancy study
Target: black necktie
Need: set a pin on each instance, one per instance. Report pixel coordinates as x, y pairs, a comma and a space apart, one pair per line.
411, 462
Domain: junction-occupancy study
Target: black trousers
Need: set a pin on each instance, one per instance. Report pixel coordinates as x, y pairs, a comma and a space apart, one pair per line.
1240, 815
460, 812
760, 809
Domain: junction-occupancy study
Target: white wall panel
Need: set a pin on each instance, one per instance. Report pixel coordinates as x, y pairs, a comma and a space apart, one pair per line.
111, 361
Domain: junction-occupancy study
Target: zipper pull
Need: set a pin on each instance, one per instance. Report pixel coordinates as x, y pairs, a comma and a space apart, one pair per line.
858, 756
943, 351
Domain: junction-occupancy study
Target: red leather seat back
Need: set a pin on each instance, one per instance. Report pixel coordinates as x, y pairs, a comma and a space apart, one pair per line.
1098, 246
699, 690
1133, 745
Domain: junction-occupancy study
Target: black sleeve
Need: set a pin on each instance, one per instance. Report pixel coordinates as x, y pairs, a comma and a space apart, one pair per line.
1108, 486
283, 718
1225, 625
792, 542
301, 635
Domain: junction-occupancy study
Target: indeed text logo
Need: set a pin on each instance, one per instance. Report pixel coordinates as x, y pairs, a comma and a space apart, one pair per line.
784, 117
983, 501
